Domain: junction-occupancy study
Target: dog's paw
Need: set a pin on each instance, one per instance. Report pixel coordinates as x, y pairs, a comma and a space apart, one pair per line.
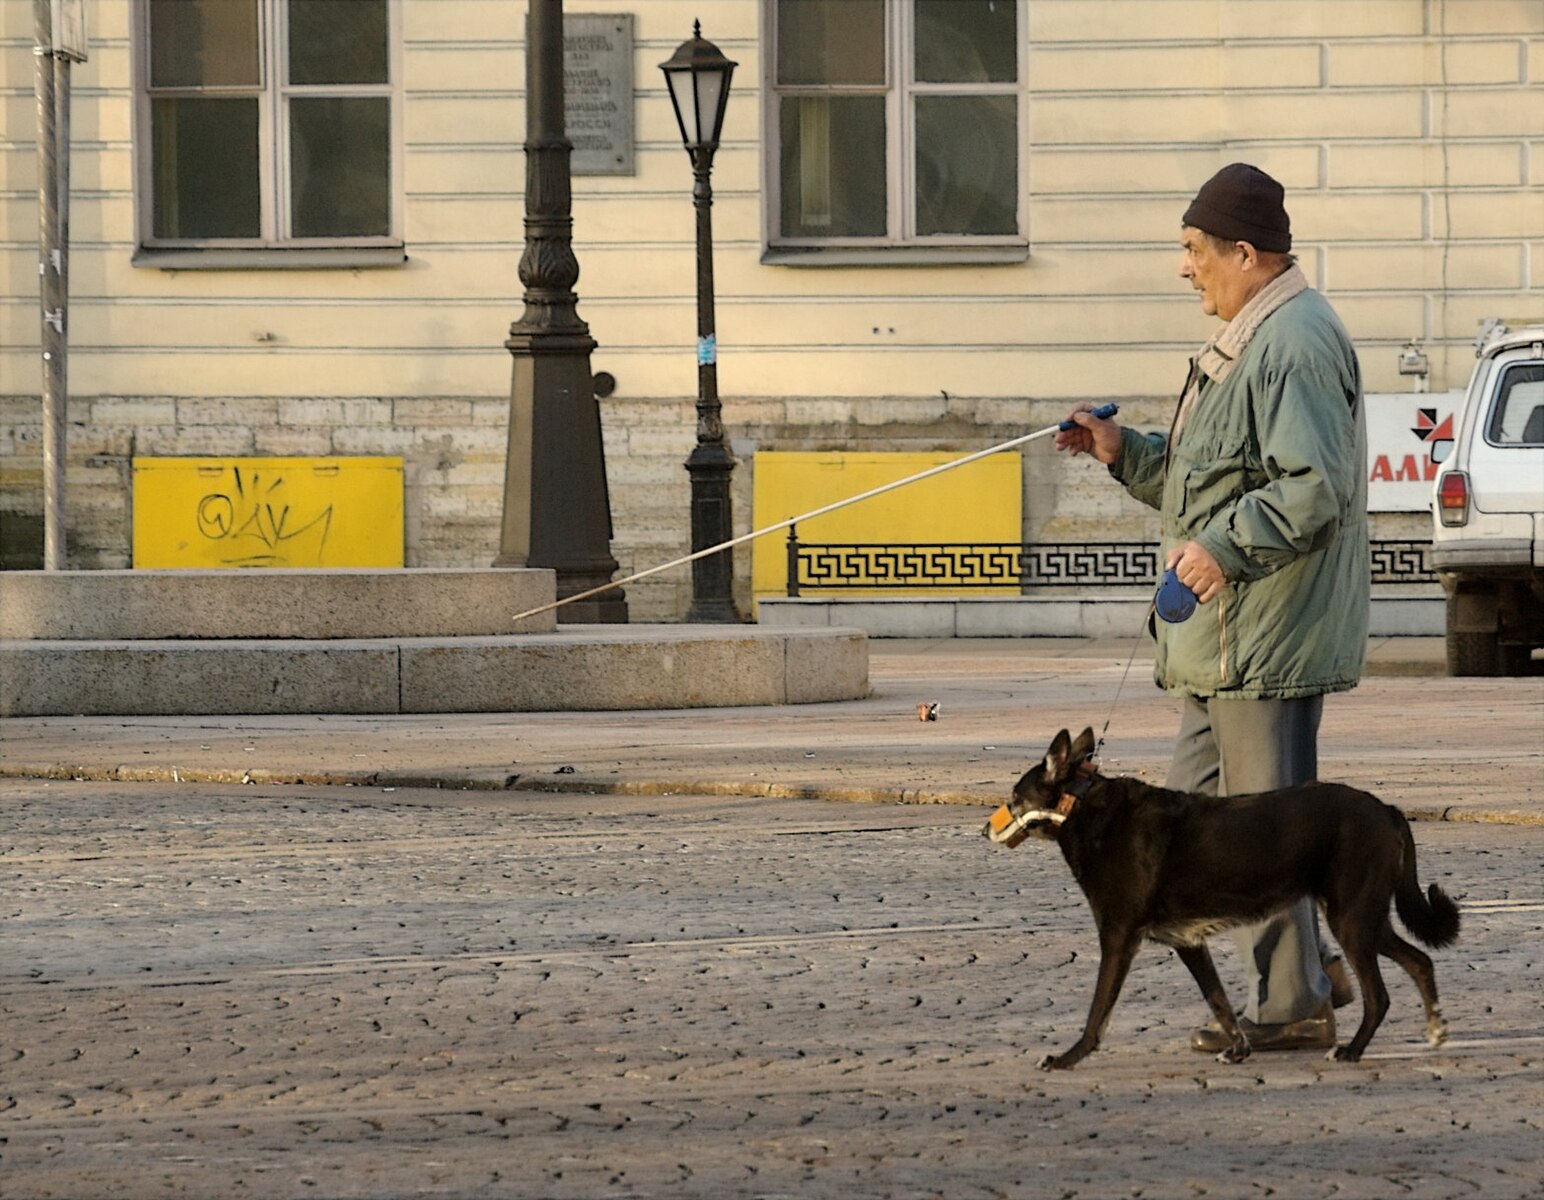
1436, 1031
1234, 1054
1343, 1054
1058, 1062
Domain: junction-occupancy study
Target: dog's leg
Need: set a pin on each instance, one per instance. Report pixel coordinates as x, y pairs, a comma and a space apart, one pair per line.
1419, 967
1358, 938
1116, 950
1199, 960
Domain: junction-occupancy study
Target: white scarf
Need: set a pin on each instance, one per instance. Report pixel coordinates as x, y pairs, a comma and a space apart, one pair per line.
1221, 353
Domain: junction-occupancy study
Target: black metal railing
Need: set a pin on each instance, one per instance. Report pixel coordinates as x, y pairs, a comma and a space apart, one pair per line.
1402, 562
968, 566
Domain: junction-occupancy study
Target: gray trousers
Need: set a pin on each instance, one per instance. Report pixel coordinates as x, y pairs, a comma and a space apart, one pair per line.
1235, 747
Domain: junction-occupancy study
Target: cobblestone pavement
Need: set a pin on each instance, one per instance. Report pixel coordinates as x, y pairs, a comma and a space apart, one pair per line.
221, 992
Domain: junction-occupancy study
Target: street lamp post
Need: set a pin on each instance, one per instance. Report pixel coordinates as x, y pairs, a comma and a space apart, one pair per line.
698, 76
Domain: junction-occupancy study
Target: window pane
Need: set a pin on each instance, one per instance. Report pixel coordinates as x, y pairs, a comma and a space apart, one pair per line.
967, 165
833, 166
967, 41
1518, 418
831, 41
203, 43
340, 167
337, 41
205, 168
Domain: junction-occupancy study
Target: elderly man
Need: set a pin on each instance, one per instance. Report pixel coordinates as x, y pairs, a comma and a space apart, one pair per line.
1262, 486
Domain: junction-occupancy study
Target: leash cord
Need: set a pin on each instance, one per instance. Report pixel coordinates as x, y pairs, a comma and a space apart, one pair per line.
1135, 646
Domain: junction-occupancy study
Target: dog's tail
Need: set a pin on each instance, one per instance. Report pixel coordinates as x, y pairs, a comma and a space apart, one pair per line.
1433, 917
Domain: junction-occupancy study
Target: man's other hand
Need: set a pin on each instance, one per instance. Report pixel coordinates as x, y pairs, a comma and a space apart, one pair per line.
1197, 570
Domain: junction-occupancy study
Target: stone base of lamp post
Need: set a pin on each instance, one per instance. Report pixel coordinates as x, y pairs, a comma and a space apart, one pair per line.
556, 480
709, 466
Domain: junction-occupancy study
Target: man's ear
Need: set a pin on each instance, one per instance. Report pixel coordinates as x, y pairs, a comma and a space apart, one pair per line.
1058, 759
1083, 749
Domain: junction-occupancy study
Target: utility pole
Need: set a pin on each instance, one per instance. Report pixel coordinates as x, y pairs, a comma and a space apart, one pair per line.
59, 39
557, 511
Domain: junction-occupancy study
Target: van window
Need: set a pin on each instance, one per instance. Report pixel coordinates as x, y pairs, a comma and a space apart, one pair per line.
1518, 416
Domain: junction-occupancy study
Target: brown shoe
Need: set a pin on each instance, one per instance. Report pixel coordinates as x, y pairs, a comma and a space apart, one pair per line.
1311, 1033
1340, 982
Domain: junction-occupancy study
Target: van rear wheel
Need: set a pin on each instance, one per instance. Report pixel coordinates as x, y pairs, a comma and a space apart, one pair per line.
1470, 651
1473, 654
1514, 659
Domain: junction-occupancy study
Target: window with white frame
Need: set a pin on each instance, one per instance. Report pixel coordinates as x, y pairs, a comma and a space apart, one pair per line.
266, 123
894, 123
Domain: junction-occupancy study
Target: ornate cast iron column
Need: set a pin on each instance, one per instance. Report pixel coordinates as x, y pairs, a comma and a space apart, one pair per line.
557, 509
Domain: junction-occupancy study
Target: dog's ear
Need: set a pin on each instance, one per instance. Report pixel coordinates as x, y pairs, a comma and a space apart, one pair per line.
1058, 759
1084, 748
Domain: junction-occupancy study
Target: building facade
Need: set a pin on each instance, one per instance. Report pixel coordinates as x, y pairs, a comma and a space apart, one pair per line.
296, 227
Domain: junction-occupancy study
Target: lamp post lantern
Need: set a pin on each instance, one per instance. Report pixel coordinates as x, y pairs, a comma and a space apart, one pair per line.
698, 75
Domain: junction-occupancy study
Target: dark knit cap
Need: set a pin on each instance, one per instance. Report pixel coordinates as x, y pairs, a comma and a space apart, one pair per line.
1243, 204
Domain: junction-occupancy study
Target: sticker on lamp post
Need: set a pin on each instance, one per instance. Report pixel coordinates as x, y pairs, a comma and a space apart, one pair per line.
707, 351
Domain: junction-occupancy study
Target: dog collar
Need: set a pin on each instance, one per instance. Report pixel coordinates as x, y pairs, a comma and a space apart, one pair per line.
1076, 790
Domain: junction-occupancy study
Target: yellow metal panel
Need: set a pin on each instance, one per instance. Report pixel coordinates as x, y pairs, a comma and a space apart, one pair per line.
267, 512
980, 502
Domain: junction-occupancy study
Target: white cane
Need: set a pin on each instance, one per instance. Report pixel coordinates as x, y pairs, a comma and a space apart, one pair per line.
1103, 413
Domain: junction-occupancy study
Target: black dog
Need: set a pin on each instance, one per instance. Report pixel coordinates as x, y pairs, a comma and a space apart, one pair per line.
1177, 867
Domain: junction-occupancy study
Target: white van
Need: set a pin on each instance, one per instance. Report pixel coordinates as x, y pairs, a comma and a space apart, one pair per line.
1488, 535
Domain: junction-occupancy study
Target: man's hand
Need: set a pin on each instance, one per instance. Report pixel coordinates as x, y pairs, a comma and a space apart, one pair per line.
1197, 570
1092, 436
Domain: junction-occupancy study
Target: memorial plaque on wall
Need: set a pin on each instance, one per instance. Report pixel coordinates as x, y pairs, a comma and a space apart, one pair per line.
598, 92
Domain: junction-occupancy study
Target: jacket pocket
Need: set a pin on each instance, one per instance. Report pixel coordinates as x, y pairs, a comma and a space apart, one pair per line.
1237, 635
1191, 653
1222, 637
1209, 483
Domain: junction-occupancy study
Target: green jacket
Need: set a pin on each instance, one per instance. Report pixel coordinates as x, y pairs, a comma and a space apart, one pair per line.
1269, 474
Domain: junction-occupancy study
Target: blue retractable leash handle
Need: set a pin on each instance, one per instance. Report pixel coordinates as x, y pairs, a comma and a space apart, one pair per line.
1103, 412
1174, 602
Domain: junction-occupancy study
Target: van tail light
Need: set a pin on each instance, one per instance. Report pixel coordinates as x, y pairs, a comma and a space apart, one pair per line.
1453, 498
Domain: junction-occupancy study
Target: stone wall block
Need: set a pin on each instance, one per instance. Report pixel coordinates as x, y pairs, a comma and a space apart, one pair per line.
409, 412
311, 412
374, 440
195, 441
283, 441
252, 411
130, 410
366, 411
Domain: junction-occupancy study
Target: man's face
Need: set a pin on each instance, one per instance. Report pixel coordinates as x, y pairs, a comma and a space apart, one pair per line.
1218, 272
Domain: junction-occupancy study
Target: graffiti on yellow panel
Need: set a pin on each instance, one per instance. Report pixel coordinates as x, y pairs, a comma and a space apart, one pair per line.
268, 512
256, 533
